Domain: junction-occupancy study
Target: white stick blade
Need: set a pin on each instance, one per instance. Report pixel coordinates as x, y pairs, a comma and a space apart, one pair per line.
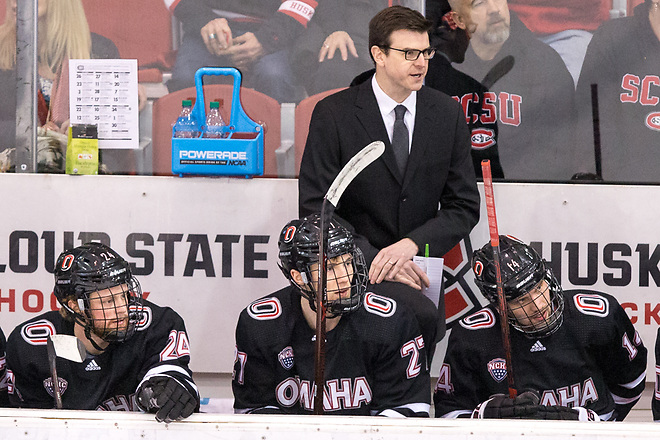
352, 168
69, 347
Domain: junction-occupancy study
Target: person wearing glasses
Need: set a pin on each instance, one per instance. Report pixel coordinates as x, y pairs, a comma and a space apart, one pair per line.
422, 191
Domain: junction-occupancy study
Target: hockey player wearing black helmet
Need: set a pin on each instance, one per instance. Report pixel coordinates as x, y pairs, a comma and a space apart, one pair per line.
347, 271
575, 354
97, 290
3, 372
137, 353
534, 297
375, 355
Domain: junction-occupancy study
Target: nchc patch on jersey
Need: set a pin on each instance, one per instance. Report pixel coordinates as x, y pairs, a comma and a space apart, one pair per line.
286, 357
497, 369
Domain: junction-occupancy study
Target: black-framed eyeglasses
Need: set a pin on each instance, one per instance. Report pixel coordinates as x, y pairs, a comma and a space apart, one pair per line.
413, 54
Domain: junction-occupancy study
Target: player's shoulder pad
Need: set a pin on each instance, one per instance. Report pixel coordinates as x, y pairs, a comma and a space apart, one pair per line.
591, 302
483, 319
265, 309
379, 305
162, 317
271, 307
153, 314
36, 331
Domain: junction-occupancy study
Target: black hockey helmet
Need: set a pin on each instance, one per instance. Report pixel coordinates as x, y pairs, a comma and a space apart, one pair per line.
299, 250
94, 267
522, 271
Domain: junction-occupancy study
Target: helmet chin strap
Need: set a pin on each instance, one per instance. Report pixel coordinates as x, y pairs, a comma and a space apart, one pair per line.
88, 335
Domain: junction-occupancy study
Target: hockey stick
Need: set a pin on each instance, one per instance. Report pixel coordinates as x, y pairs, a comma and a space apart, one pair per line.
495, 244
354, 167
52, 358
596, 128
67, 347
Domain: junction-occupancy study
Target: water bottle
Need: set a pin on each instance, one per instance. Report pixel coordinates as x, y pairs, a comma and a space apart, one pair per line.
214, 122
186, 125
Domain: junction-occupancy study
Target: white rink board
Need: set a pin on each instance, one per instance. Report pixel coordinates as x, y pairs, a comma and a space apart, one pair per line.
99, 425
172, 221
188, 214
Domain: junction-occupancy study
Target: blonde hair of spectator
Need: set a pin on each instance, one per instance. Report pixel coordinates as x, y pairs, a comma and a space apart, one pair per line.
63, 34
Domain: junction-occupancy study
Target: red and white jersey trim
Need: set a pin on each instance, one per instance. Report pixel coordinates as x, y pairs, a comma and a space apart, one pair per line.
300, 10
171, 4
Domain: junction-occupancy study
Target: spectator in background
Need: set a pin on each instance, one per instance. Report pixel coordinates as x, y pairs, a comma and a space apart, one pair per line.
565, 25
63, 34
251, 35
623, 60
534, 101
4, 402
451, 42
335, 48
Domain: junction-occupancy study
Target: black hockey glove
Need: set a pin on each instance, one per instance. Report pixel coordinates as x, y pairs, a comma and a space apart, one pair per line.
556, 412
165, 396
500, 406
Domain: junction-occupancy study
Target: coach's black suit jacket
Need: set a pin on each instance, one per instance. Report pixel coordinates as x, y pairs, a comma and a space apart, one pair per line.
436, 203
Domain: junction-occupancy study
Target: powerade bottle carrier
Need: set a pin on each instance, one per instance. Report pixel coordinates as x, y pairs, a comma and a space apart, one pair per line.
240, 152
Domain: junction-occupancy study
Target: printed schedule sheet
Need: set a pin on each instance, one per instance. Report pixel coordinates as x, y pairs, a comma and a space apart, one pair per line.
103, 92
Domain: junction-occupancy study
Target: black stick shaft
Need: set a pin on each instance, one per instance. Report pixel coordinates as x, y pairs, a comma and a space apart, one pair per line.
596, 127
52, 361
321, 301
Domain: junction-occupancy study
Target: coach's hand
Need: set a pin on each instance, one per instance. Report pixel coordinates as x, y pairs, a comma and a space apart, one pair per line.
168, 398
394, 263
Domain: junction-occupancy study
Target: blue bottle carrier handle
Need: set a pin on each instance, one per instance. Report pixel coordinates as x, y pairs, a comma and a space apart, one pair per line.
240, 153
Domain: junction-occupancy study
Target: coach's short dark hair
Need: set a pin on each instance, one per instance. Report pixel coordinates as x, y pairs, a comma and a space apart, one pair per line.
392, 19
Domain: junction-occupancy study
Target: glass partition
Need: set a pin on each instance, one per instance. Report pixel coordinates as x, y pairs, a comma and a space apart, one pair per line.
558, 90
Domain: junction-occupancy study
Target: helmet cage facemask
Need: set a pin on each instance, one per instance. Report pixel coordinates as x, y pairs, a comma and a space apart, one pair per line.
548, 325
522, 269
299, 250
130, 307
360, 278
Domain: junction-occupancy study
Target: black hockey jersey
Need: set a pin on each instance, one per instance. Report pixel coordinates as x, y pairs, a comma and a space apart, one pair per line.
3, 372
375, 360
108, 381
655, 403
595, 360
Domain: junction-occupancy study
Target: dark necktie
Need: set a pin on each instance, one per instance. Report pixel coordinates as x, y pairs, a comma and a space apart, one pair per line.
400, 138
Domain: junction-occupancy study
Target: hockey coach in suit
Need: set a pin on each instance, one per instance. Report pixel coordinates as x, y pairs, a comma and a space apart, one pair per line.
402, 202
